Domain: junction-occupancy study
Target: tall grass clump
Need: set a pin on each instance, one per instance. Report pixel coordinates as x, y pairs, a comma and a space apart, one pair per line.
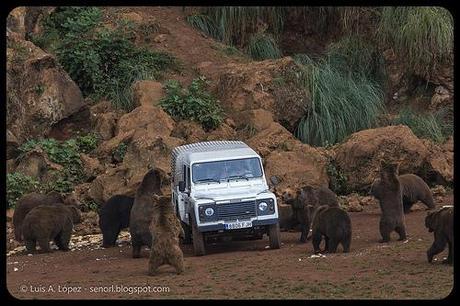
353, 54
422, 35
263, 46
104, 62
428, 126
341, 103
235, 24
205, 24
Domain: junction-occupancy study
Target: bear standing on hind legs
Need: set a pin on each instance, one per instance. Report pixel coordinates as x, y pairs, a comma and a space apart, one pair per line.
165, 229
387, 190
142, 210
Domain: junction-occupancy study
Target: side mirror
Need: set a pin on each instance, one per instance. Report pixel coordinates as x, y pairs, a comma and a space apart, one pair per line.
182, 186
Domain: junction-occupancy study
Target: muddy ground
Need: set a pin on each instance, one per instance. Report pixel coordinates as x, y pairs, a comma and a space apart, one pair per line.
247, 269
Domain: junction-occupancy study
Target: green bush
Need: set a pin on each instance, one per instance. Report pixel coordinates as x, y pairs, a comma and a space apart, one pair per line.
194, 103
103, 62
120, 152
87, 143
429, 126
18, 184
263, 46
340, 103
66, 154
422, 35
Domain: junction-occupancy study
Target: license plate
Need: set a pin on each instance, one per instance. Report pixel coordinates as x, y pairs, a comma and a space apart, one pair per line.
237, 225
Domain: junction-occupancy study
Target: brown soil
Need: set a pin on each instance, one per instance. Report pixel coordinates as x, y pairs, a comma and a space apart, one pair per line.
248, 269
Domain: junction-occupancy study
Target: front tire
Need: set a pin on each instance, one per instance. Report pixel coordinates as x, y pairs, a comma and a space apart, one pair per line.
198, 240
274, 236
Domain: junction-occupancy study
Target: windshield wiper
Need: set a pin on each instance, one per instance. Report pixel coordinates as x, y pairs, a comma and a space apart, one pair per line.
208, 180
237, 177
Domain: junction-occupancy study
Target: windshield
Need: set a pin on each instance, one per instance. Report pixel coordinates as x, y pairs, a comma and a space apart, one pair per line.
226, 170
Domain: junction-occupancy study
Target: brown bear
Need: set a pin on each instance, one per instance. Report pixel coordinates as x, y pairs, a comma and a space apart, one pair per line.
49, 222
113, 217
31, 200
165, 229
441, 223
142, 210
415, 189
335, 225
388, 191
305, 201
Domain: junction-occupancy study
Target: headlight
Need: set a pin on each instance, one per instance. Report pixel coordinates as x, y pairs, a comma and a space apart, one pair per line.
209, 212
263, 206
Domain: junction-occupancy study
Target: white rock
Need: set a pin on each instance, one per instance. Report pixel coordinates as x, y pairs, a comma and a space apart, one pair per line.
15, 269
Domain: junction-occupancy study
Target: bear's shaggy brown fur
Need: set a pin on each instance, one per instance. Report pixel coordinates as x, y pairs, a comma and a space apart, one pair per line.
142, 210
441, 223
49, 222
388, 191
335, 225
165, 229
415, 189
305, 201
31, 200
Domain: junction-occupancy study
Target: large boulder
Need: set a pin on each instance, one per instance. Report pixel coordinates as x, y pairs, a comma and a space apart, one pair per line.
36, 164
359, 156
190, 131
40, 92
302, 166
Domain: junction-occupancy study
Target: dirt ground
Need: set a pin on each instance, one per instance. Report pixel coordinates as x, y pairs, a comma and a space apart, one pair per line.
247, 270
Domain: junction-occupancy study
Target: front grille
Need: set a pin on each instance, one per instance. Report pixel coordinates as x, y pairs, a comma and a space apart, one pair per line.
233, 211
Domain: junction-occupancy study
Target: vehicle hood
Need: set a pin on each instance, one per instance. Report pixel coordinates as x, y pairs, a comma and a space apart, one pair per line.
228, 191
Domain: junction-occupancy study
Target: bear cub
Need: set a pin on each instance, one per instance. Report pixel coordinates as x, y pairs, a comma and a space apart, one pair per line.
335, 225
304, 203
113, 217
441, 223
50, 222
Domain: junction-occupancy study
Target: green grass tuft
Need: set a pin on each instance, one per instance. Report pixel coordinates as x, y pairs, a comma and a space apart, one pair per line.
263, 46
205, 24
428, 126
341, 104
422, 35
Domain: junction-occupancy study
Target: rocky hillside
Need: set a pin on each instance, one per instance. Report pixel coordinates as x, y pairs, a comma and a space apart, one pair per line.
97, 96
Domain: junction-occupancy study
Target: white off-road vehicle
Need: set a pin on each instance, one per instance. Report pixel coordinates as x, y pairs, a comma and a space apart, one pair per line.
220, 193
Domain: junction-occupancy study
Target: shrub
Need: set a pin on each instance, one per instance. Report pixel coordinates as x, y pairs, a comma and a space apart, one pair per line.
422, 35
87, 143
120, 151
429, 126
18, 184
103, 62
341, 104
193, 103
263, 46
337, 179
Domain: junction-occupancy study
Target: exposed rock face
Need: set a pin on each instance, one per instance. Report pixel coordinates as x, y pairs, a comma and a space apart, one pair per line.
36, 164
303, 166
147, 133
275, 136
249, 87
359, 156
147, 92
189, 131
40, 92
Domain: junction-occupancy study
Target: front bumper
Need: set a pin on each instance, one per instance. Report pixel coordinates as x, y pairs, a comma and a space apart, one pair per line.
221, 226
